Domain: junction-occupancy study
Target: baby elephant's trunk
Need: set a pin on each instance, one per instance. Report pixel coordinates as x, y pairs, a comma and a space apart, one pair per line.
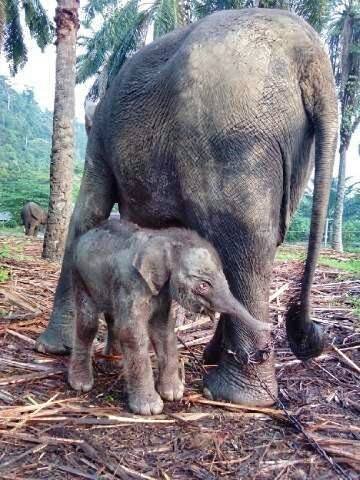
226, 303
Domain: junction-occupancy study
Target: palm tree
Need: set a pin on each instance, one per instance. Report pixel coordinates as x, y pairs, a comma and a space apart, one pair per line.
123, 31
61, 166
344, 41
11, 30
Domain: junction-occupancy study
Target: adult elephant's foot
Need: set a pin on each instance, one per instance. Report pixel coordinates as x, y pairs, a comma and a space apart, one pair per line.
307, 342
251, 384
55, 339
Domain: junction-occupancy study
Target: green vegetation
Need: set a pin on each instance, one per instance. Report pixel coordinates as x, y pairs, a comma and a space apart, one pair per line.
11, 250
290, 254
17, 231
4, 274
25, 139
5, 251
14, 15
349, 265
300, 225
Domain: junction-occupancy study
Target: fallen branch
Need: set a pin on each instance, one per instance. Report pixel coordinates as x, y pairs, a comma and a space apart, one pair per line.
345, 359
45, 439
13, 460
278, 292
21, 336
235, 407
29, 377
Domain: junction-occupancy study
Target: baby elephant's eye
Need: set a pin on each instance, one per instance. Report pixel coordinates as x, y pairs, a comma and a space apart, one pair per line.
202, 287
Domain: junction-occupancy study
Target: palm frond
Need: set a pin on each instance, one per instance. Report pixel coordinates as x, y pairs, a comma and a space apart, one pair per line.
41, 29
202, 8
14, 46
98, 7
316, 12
132, 37
168, 16
119, 37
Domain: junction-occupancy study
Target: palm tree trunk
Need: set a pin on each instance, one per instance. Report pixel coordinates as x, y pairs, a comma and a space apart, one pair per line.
337, 242
61, 166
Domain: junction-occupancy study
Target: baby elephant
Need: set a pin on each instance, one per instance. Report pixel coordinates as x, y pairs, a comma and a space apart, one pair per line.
132, 275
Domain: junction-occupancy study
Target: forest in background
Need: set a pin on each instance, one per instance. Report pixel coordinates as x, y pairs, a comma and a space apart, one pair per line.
300, 225
25, 141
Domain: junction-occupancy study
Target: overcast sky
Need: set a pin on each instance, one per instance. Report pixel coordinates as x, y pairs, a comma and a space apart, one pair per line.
39, 74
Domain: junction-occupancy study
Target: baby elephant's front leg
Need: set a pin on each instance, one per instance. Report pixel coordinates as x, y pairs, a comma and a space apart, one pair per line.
163, 337
142, 396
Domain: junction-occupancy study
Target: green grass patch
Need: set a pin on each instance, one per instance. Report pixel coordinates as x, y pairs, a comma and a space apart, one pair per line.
15, 231
292, 254
351, 249
350, 265
4, 274
7, 250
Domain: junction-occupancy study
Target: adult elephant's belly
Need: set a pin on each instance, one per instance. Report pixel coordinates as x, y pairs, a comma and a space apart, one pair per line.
149, 192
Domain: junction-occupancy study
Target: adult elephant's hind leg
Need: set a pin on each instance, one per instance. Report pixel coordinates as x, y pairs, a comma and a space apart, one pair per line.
94, 204
245, 371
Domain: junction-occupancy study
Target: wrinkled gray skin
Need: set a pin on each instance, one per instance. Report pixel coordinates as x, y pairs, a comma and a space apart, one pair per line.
33, 217
211, 127
132, 275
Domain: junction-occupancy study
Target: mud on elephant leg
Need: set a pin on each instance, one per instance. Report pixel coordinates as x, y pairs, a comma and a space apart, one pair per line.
94, 204
245, 372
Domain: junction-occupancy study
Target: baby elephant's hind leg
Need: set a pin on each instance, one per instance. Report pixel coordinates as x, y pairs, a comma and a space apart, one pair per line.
112, 362
163, 337
133, 333
80, 375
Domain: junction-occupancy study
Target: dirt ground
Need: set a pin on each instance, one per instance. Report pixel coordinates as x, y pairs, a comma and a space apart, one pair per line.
47, 431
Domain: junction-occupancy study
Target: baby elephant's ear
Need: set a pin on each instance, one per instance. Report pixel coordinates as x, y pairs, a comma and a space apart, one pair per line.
152, 261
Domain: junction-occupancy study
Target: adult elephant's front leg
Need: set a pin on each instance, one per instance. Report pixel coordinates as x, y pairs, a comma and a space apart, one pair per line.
94, 204
245, 371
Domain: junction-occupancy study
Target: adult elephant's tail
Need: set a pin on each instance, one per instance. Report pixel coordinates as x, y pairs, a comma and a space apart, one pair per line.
319, 95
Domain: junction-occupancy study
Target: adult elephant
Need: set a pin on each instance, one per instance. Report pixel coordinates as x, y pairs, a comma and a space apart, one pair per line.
32, 217
211, 128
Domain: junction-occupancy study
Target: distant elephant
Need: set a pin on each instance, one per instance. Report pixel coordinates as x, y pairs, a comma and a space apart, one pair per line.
33, 216
211, 127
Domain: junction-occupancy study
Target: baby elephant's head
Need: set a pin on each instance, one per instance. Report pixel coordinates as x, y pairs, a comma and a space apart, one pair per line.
198, 283
196, 278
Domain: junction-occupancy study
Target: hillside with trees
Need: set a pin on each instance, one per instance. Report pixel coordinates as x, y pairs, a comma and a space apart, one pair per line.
25, 140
